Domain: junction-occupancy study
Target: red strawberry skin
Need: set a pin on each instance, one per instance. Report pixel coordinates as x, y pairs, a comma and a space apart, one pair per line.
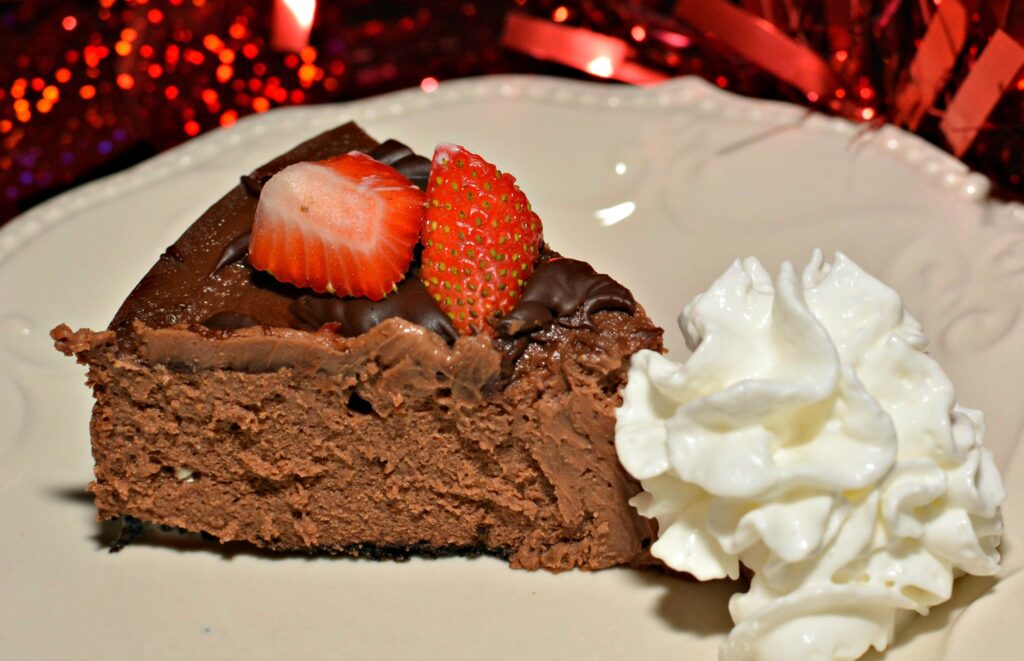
480, 239
347, 226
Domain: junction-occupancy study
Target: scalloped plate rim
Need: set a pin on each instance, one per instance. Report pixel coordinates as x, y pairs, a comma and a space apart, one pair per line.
80, 196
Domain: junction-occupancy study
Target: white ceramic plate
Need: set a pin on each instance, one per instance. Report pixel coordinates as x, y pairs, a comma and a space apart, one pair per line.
661, 187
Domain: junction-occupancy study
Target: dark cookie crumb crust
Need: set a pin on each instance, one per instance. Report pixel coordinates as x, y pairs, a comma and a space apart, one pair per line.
133, 529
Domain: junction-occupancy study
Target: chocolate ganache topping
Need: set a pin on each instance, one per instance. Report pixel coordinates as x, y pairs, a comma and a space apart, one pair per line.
233, 252
205, 277
228, 321
558, 289
355, 316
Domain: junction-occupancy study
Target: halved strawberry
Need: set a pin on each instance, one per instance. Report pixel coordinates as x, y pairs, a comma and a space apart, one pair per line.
347, 226
480, 239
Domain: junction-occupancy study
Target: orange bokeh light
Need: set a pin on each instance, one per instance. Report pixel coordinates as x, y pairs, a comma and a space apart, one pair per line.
224, 73
307, 74
213, 43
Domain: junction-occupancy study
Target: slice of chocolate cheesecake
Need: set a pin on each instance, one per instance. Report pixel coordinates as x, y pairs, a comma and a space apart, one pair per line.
231, 403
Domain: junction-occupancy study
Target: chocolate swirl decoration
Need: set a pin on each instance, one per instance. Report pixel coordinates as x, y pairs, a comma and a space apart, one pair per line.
416, 168
355, 316
560, 288
233, 252
228, 321
412, 166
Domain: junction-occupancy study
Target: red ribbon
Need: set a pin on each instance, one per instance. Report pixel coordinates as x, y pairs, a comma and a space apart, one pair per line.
597, 54
929, 71
564, 44
761, 43
981, 90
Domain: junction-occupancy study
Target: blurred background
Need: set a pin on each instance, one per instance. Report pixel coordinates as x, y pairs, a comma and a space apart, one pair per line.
89, 87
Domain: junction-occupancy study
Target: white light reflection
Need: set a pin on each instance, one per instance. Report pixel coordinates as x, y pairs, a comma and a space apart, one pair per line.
303, 11
615, 214
601, 66
293, 20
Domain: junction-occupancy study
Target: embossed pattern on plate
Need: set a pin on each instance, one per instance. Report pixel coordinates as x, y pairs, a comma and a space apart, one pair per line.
661, 187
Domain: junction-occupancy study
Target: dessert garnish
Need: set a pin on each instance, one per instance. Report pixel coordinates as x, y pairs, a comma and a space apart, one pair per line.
480, 239
345, 226
810, 438
558, 289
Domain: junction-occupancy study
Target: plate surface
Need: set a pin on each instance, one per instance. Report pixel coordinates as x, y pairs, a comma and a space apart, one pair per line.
661, 187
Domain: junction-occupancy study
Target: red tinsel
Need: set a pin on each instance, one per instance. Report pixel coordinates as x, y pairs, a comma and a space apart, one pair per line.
984, 86
86, 89
930, 69
915, 63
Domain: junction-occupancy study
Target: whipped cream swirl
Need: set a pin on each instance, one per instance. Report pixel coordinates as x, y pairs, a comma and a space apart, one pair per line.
810, 438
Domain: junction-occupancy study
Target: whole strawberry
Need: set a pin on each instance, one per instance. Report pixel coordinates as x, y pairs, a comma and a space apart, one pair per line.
480, 239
